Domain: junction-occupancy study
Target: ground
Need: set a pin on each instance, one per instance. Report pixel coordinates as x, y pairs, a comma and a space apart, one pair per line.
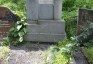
29, 53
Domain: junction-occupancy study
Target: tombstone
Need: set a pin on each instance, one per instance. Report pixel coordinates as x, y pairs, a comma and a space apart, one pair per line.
7, 20
84, 16
4, 28
44, 21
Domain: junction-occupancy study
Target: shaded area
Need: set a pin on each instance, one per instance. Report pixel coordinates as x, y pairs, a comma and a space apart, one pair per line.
80, 57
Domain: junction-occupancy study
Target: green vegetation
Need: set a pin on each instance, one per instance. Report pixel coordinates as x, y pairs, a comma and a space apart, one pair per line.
16, 33
69, 44
19, 29
89, 54
61, 53
4, 53
70, 13
17, 6
60, 59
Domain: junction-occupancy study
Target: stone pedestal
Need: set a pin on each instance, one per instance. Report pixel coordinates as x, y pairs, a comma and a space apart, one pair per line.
44, 21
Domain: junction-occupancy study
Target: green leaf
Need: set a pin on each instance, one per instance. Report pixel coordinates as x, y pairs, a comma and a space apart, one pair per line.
21, 39
25, 30
19, 27
21, 34
18, 22
25, 23
12, 29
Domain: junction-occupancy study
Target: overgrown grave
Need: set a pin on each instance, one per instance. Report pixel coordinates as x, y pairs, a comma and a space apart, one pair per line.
7, 21
84, 33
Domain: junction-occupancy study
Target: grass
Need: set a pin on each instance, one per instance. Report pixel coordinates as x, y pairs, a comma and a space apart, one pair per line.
89, 54
4, 53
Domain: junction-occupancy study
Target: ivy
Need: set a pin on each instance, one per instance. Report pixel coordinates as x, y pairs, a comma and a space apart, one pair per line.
16, 33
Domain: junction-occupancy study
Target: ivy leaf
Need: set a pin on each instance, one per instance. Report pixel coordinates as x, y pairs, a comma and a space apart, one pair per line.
25, 23
21, 34
12, 29
25, 30
21, 39
19, 27
18, 22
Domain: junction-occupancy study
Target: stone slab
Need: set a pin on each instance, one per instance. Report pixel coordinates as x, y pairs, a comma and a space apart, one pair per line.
45, 12
46, 1
47, 26
32, 21
57, 9
32, 9
44, 21
46, 31
44, 37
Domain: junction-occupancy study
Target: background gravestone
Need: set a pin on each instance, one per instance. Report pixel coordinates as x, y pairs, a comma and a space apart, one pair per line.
44, 21
7, 20
84, 16
4, 28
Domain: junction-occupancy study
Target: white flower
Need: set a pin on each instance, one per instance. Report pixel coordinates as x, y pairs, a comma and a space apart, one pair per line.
69, 45
73, 38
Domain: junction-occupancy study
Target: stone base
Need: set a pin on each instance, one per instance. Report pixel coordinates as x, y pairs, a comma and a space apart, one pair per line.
45, 31
44, 37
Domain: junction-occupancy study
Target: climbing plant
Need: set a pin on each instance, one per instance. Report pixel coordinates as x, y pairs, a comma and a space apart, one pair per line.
16, 33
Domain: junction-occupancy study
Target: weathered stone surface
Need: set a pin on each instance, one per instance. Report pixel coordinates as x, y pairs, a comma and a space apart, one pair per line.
57, 9
46, 1
47, 26
44, 37
46, 31
80, 57
7, 20
48, 11
45, 12
5, 26
7, 15
32, 9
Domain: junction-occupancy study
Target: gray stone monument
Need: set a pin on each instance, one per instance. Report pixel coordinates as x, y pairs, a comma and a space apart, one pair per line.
44, 21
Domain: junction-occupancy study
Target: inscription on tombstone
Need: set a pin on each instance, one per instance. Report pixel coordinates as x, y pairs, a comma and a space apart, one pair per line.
84, 16
4, 28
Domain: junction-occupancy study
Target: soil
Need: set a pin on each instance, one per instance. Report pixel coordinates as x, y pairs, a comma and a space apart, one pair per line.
29, 53
80, 57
